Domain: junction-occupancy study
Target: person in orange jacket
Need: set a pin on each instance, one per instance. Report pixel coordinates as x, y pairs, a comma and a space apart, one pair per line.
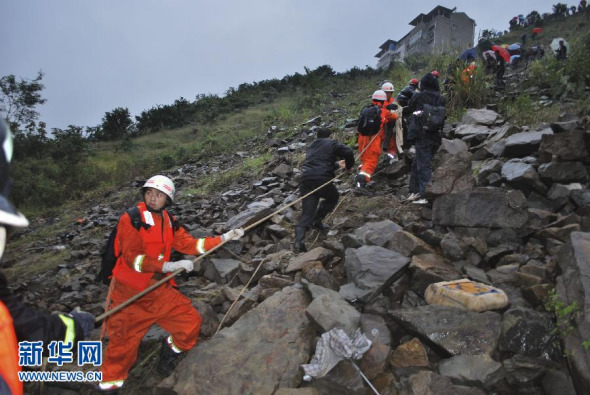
18, 321
389, 145
144, 259
467, 73
370, 146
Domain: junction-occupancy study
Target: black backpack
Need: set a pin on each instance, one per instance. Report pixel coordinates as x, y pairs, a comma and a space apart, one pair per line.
370, 120
433, 118
109, 258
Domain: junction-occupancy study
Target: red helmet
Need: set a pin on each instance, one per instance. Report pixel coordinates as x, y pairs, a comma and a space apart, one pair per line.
413, 81
435, 73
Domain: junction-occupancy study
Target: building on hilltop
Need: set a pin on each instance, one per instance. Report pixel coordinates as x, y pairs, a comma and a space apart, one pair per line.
439, 31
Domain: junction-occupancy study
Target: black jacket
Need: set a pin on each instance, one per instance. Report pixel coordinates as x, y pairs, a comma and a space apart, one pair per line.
429, 94
30, 324
321, 158
403, 98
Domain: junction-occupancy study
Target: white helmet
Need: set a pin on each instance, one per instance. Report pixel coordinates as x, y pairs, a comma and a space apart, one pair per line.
379, 95
9, 215
163, 184
387, 87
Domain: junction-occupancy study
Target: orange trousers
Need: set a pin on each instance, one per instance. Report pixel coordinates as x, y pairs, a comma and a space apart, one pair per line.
370, 156
164, 306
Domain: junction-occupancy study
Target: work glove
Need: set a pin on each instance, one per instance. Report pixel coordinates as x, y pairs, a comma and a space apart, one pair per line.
85, 320
170, 267
233, 234
391, 106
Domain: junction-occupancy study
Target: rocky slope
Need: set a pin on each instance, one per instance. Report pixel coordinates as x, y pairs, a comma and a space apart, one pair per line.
510, 207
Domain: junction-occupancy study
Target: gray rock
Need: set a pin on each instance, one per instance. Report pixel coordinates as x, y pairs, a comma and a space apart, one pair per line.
369, 270
568, 146
329, 312
377, 233
248, 216
522, 144
431, 268
455, 331
563, 172
522, 176
573, 286
269, 343
528, 332
480, 116
427, 382
317, 254
454, 174
481, 207
375, 329
407, 244
220, 270
480, 370
283, 170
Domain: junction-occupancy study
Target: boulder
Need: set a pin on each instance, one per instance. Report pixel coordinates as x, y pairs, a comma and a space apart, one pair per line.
481, 116
573, 286
453, 175
481, 207
369, 270
329, 312
480, 370
377, 233
528, 332
567, 146
431, 268
317, 254
522, 144
453, 331
407, 244
522, 176
563, 172
269, 343
220, 270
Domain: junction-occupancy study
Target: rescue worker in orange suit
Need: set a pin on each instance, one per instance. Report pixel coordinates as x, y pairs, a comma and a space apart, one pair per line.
144, 259
370, 146
19, 322
389, 145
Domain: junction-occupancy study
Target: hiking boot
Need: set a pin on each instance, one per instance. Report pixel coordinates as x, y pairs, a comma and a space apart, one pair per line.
360, 181
299, 240
420, 201
318, 224
392, 158
168, 358
363, 191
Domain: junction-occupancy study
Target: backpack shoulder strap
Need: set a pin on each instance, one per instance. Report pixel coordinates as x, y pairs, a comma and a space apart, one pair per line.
175, 222
136, 218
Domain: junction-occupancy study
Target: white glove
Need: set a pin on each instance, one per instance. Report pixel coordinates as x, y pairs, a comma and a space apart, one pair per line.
233, 234
170, 267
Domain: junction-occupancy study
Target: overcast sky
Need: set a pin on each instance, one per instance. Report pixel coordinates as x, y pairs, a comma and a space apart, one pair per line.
101, 54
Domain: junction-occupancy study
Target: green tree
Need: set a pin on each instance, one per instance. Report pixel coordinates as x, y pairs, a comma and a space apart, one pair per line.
560, 10
115, 125
533, 18
19, 99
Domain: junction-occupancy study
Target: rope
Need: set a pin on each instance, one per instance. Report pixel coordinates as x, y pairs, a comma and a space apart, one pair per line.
200, 257
238, 298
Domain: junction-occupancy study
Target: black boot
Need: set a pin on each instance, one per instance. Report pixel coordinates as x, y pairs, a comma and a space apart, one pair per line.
168, 359
299, 240
319, 217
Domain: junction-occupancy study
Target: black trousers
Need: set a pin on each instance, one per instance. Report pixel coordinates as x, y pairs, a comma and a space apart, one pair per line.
311, 211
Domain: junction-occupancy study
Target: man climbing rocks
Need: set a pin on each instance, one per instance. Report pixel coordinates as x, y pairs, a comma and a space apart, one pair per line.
370, 145
318, 168
425, 140
144, 259
389, 145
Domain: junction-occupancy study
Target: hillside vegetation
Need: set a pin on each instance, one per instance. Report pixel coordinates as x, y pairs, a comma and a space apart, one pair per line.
85, 163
